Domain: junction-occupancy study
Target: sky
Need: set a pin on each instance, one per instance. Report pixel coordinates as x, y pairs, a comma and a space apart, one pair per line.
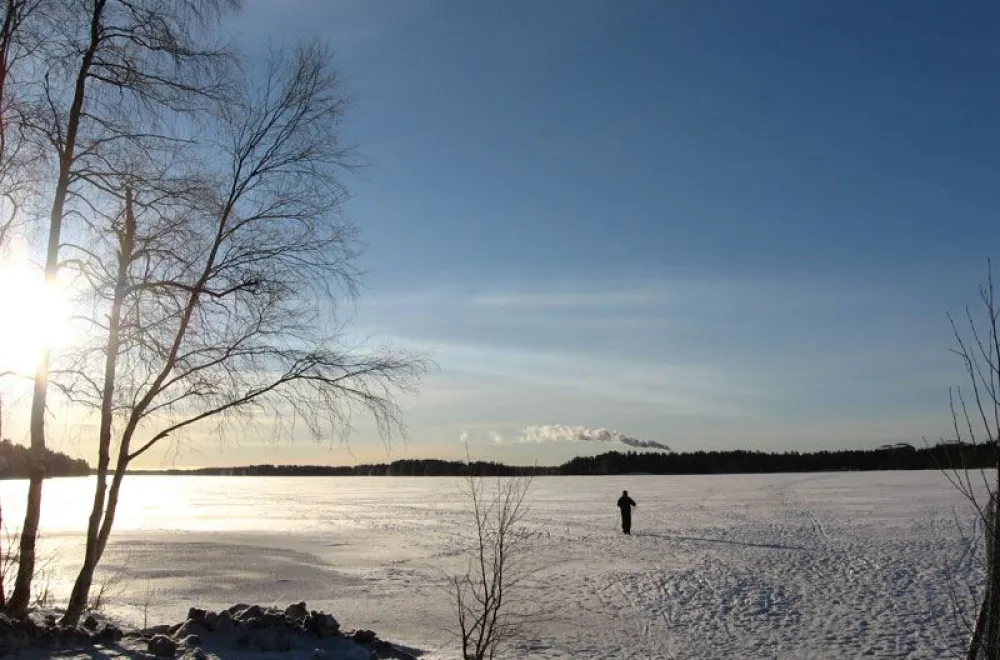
705, 224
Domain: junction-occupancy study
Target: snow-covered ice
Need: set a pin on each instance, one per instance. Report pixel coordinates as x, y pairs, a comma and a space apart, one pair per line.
826, 565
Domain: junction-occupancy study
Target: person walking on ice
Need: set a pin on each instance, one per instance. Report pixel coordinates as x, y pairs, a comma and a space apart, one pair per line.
625, 504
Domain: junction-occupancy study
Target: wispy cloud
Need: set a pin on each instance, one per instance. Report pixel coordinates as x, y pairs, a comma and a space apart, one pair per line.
624, 297
647, 294
677, 386
704, 359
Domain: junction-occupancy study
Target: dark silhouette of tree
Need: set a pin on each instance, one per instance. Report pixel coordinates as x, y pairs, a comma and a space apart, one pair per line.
219, 291
16, 461
892, 457
90, 89
974, 470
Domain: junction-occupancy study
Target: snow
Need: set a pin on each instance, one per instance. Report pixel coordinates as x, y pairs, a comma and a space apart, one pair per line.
825, 565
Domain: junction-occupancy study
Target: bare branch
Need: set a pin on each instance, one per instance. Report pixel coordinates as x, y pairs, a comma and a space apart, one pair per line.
221, 279
976, 423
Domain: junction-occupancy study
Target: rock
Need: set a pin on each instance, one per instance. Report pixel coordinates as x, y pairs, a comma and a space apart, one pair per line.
269, 640
394, 652
43, 638
14, 633
224, 620
321, 624
29, 627
73, 635
258, 629
162, 646
238, 607
251, 612
108, 634
296, 611
268, 620
191, 641
189, 627
364, 636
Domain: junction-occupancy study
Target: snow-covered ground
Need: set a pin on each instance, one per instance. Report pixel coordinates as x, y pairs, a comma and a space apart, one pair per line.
828, 565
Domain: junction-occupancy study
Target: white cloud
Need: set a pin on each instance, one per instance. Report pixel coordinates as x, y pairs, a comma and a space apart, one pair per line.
562, 433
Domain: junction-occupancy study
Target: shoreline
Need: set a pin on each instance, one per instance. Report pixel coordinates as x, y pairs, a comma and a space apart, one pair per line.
229, 634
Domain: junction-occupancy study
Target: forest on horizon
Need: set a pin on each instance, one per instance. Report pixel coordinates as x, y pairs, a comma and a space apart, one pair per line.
14, 463
893, 457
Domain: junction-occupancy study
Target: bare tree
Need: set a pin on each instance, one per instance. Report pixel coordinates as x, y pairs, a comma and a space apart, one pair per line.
487, 606
18, 156
973, 468
99, 81
218, 295
3, 555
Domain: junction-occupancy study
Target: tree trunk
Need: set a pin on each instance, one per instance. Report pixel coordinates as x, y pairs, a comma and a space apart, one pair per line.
29, 531
18, 604
3, 591
991, 621
111, 506
92, 555
985, 641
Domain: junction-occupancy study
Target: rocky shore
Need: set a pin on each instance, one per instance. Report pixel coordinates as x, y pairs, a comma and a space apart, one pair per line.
241, 631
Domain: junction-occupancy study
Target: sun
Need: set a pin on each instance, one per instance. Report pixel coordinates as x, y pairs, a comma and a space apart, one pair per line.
32, 315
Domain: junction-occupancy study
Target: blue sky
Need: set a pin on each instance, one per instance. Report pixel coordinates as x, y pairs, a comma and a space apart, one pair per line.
710, 224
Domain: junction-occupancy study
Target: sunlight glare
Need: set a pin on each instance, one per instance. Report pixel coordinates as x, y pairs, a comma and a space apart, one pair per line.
31, 315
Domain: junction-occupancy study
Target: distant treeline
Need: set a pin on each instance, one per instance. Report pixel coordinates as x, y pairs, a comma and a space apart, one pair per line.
895, 457
15, 463
430, 467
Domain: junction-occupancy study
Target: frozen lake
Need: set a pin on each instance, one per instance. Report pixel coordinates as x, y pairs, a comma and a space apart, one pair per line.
827, 565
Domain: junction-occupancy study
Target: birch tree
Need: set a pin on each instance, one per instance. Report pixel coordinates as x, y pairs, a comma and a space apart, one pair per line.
86, 80
218, 296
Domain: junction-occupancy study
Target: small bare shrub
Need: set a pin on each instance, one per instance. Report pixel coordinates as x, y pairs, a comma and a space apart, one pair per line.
974, 467
10, 544
148, 596
485, 596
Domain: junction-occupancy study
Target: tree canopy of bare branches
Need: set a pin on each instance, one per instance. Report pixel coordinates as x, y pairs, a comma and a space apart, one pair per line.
197, 202
88, 90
